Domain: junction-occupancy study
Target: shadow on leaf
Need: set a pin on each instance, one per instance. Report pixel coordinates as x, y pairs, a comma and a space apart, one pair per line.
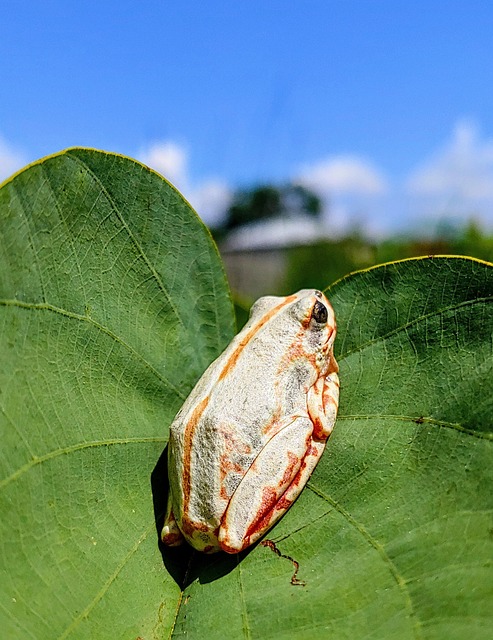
183, 563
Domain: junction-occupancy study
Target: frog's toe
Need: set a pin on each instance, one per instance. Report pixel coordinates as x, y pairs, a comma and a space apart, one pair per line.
171, 535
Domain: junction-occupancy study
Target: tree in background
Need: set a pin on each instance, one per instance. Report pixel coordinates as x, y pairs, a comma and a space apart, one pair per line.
268, 201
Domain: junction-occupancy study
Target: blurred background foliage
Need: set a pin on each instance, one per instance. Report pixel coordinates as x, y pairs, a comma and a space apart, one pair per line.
323, 262
279, 266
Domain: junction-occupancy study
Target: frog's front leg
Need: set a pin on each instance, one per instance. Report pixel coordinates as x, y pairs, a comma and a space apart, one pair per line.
258, 501
323, 402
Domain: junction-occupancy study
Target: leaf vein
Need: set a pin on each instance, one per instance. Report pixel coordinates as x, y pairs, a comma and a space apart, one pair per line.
70, 240
406, 326
379, 548
182, 593
132, 237
30, 239
244, 613
106, 585
72, 448
45, 306
175, 618
483, 435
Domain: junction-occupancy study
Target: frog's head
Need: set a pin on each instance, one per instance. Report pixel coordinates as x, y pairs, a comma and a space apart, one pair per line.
314, 313
300, 325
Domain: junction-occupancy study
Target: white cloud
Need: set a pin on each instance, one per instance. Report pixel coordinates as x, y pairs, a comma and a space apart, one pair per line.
461, 171
344, 175
210, 197
11, 159
351, 189
170, 160
455, 183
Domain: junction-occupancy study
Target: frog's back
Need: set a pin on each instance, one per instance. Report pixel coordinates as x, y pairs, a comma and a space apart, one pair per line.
233, 411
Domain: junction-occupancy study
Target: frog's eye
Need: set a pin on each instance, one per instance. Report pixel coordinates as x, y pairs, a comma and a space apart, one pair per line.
319, 312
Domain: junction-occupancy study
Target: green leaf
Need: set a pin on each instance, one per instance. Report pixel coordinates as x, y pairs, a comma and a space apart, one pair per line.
113, 301
393, 534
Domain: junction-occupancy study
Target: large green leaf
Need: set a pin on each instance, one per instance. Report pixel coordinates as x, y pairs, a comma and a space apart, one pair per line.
394, 533
114, 301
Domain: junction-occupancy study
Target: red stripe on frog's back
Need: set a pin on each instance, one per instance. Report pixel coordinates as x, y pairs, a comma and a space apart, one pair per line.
233, 358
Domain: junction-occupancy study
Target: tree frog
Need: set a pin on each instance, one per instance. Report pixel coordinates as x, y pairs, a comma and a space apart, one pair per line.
252, 430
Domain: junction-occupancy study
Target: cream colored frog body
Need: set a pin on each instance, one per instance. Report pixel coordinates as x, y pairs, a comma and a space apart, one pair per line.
252, 430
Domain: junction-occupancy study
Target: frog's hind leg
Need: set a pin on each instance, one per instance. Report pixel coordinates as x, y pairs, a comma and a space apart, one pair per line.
170, 533
270, 486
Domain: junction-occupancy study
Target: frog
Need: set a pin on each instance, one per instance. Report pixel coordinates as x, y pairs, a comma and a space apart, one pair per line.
249, 435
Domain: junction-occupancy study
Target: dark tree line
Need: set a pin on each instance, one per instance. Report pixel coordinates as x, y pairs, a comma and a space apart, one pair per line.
268, 201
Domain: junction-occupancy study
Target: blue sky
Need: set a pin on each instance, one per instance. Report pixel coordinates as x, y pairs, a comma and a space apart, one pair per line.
384, 107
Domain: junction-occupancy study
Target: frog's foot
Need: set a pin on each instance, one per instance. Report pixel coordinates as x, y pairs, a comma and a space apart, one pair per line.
171, 535
270, 486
